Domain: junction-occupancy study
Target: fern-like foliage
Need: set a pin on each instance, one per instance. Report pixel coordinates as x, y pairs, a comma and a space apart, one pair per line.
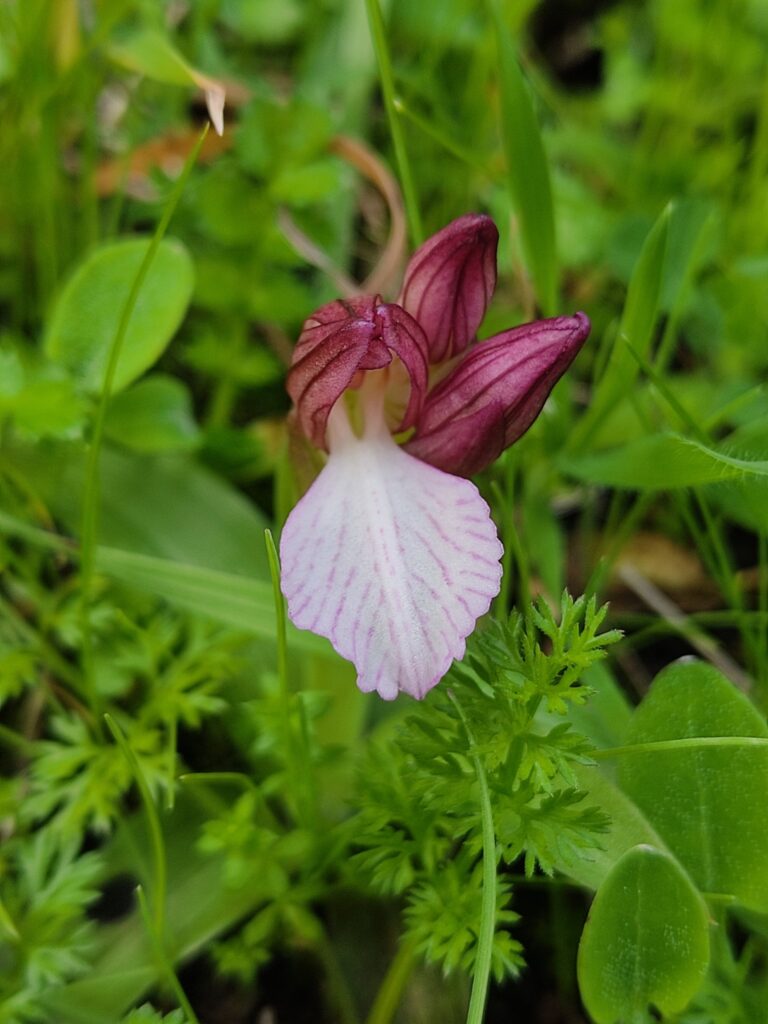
417, 830
45, 936
146, 1014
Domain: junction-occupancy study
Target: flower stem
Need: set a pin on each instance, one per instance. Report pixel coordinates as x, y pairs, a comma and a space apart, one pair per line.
163, 962
482, 970
391, 992
684, 743
298, 754
379, 37
155, 829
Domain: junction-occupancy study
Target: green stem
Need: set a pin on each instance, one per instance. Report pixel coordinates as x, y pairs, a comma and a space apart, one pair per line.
155, 829
89, 523
762, 609
391, 991
379, 37
513, 549
429, 129
173, 737
482, 972
206, 778
16, 740
163, 962
335, 980
59, 665
303, 780
729, 582
685, 743
7, 925
619, 538
668, 395
44, 539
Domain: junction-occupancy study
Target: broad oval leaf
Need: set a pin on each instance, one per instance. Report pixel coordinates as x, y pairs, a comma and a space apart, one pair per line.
155, 415
628, 827
707, 801
646, 940
85, 318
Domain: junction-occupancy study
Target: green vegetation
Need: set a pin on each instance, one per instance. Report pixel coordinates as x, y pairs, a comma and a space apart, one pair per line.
201, 817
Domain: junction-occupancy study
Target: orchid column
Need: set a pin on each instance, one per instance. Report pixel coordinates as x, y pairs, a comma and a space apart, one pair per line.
391, 553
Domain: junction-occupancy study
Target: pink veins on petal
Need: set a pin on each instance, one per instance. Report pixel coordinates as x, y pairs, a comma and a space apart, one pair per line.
393, 561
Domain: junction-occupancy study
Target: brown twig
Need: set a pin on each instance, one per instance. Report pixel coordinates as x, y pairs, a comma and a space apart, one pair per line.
389, 266
676, 617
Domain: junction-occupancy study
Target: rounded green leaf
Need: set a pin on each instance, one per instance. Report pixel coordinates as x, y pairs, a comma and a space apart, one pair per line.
85, 318
707, 801
646, 940
155, 415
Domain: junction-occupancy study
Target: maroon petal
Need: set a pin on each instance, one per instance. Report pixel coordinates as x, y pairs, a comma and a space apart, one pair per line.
449, 282
344, 338
495, 393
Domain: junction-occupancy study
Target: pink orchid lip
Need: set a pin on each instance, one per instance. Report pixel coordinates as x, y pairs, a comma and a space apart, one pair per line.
391, 559
494, 394
340, 341
449, 282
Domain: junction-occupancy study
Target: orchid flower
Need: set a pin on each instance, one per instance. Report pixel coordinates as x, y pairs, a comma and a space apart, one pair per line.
392, 554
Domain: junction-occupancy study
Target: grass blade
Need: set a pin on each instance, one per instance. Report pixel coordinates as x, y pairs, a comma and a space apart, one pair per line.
527, 168
155, 829
638, 320
90, 525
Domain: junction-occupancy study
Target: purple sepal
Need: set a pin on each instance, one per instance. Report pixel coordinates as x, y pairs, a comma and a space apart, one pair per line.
494, 394
449, 282
344, 338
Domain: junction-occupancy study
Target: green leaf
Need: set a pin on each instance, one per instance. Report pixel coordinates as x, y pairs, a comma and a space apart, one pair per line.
302, 186
200, 905
605, 717
527, 167
238, 601
646, 941
154, 415
47, 407
271, 22
12, 374
638, 320
152, 54
84, 319
628, 827
663, 461
707, 802
164, 505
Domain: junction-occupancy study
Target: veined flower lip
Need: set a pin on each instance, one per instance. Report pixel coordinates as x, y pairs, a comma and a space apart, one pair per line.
391, 559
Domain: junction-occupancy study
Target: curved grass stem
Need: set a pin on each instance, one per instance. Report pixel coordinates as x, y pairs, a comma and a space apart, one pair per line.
391, 991
379, 37
298, 748
155, 829
482, 972
684, 743
163, 963
90, 513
